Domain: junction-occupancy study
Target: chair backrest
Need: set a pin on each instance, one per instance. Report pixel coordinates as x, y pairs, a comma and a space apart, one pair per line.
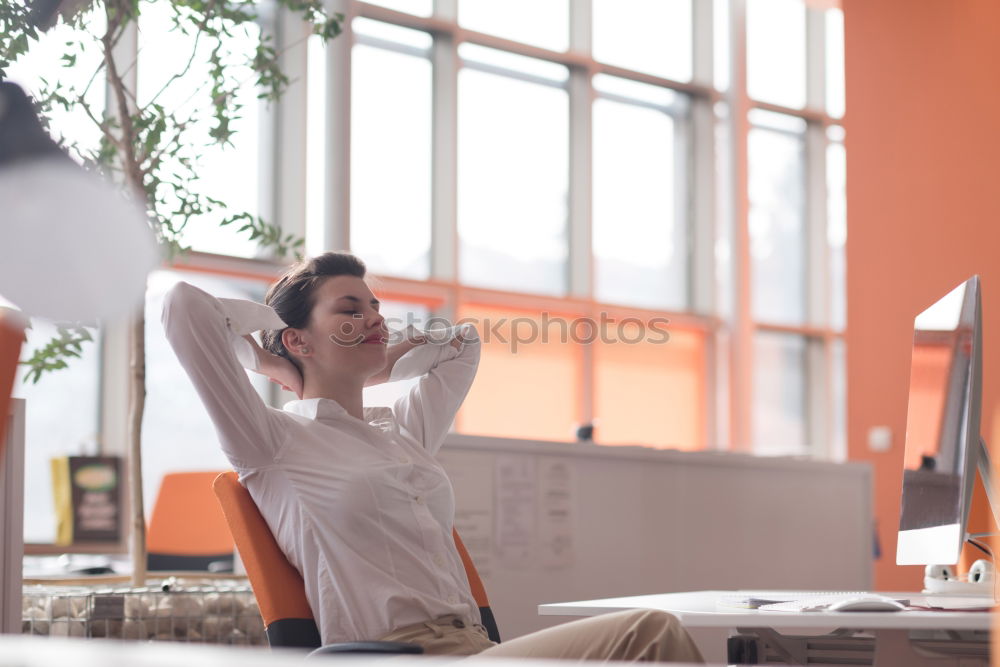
11, 339
478, 590
187, 529
278, 586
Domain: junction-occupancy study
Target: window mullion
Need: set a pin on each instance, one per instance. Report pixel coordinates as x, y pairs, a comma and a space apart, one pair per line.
741, 365
446, 9
115, 375
581, 96
700, 182
288, 175
581, 18
818, 312
818, 365
444, 156
819, 360
337, 203
698, 142
581, 155
818, 398
703, 42
815, 60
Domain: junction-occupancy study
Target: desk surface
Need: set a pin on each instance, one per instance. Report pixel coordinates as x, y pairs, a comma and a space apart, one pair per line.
698, 609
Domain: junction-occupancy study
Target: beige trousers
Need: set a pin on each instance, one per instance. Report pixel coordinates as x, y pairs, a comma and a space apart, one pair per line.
639, 635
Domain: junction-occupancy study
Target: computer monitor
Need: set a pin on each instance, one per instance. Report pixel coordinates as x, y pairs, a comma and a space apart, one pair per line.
943, 445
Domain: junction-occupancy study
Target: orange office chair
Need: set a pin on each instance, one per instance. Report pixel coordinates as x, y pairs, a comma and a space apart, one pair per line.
187, 530
278, 586
11, 339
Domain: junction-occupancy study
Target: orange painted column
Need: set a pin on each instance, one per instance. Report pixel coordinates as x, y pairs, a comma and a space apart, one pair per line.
923, 175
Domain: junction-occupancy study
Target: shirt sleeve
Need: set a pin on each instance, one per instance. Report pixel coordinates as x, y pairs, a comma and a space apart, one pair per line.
206, 334
446, 374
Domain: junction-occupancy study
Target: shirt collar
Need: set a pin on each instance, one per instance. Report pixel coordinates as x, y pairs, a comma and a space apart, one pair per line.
327, 409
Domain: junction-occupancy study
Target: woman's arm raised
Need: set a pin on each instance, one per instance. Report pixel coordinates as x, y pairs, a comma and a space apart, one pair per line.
395, 352
206, 334
446, 366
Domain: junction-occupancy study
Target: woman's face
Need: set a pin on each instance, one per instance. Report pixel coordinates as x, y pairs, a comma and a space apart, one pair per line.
346, 333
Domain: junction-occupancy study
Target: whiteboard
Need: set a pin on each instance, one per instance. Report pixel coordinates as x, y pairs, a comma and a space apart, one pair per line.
617, 521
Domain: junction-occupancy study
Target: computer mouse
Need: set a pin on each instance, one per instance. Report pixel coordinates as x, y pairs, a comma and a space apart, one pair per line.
867, 603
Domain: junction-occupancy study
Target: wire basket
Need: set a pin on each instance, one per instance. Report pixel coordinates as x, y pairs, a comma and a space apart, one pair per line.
213, 614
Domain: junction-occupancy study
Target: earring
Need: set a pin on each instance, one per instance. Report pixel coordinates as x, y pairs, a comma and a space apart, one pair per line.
303, 350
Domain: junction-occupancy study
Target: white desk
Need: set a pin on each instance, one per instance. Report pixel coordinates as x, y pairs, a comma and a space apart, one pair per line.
700, 610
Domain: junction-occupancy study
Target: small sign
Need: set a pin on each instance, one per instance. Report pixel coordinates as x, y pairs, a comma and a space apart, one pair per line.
87, 498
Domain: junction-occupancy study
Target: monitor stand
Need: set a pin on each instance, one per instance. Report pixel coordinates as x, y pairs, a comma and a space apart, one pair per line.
954, 587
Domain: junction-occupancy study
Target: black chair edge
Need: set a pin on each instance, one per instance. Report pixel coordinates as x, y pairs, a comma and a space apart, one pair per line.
303, 633
368, 647
293, 633
177, 563
490, 623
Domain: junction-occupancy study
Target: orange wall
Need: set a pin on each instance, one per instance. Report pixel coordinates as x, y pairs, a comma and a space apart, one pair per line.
923, 147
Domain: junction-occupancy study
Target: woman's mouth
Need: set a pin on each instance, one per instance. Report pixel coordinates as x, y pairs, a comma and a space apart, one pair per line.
374, 339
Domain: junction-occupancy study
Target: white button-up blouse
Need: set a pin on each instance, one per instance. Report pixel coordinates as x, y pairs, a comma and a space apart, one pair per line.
364, 512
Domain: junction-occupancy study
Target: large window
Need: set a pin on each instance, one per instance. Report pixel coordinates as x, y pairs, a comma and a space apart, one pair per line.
600, 162
572, 168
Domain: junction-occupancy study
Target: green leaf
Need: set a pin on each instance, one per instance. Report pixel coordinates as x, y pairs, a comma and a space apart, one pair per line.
66, 344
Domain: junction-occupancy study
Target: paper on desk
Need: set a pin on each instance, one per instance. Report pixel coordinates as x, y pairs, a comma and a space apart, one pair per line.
471, 477
514, 534
555, 512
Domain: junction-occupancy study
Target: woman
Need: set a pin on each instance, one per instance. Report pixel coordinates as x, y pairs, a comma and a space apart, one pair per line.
364, 513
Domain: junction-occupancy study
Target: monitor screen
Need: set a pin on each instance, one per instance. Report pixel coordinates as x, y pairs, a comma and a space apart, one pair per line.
942, 428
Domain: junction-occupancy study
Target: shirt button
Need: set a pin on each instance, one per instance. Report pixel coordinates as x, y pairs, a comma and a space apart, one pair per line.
418, 500
453, 599
438, 560
404, 460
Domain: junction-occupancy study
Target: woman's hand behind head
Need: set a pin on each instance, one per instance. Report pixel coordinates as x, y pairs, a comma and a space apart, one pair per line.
279, 370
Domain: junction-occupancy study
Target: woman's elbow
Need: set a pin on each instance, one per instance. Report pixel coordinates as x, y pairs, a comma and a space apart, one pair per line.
183, 303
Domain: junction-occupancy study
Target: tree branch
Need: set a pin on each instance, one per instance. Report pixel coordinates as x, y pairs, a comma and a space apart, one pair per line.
175, 77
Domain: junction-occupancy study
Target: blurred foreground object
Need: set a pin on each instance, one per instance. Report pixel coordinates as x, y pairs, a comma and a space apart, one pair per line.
71, 247
45, 13
194, 610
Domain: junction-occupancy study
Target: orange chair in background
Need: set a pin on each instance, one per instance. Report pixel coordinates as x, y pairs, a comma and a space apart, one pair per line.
280, 591
187, 530
11, 339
